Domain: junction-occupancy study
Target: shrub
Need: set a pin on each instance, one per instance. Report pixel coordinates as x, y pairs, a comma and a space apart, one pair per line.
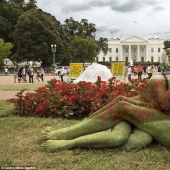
71, 100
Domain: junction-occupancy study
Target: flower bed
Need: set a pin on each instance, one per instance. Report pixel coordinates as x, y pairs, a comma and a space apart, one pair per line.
69, 100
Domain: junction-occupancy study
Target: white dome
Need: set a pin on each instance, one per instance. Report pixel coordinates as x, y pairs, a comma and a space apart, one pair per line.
91, 73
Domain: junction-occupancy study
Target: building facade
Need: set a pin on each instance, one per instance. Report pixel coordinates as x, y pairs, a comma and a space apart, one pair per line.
133, 49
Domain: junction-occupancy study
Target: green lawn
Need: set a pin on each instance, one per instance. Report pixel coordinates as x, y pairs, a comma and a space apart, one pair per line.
21, 139
18, 87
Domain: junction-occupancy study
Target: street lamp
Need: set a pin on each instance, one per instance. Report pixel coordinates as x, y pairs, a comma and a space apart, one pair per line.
53, 47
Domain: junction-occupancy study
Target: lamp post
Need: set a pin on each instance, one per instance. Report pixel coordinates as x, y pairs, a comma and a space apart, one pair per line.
53, 47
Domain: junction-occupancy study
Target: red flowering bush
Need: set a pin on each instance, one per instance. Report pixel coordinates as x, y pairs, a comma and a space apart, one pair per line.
67, 99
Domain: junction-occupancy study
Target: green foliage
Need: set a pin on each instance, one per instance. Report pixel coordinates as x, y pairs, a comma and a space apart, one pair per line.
102, 45
82, 29
71, 100
81, 50
34, 43
85, 30
166, 44
9, 12
5, 50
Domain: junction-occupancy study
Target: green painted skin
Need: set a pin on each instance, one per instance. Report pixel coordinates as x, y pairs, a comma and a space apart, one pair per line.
129, 123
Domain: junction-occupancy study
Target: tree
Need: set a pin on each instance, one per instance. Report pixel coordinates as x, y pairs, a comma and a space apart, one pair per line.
9, 12
35, 32
82, 29
102, 45
81, 50
5, 50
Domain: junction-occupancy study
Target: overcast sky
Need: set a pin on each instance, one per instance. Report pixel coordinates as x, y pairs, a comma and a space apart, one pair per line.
152, 17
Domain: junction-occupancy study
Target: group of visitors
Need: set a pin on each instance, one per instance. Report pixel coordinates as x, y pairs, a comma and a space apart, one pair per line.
20, 73
139, 70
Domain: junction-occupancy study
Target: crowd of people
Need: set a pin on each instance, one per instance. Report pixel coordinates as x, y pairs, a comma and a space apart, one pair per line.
139, 70
21, 73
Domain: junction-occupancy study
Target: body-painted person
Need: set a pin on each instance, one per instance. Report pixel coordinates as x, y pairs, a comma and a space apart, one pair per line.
129, 123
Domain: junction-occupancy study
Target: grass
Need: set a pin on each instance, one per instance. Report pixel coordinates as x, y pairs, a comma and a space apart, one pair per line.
21, 139
18, 87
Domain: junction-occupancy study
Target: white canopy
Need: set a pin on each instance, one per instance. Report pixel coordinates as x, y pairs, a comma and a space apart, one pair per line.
91, 72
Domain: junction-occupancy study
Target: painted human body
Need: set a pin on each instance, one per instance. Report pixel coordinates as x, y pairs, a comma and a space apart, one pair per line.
128, 123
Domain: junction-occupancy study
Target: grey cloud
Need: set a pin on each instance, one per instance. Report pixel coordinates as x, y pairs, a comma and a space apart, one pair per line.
158, 8
119, 6
163, 35
101, 27
115, 30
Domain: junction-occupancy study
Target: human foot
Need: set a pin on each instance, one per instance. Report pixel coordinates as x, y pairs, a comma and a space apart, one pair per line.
56, 145
50, 133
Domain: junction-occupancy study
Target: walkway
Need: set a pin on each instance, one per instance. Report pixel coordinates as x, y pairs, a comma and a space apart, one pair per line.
4, 80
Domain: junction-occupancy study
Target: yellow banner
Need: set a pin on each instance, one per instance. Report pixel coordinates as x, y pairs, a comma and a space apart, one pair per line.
118, 68
76, 69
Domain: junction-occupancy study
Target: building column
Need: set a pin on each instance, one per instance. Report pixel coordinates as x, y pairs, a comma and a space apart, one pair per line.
146, 53
138, 59
130, 55
121, 53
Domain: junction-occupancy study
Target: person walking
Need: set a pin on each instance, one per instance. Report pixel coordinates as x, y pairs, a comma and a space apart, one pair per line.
24, 74
38, 75
149, 72
42, 74
6, 72
135, 70
129, 73
31, 74
159, 68
139, 70
144, 69
153, 70
62, 74
16, 68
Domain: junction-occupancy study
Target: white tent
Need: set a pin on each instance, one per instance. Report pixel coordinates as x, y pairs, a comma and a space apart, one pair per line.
91, 72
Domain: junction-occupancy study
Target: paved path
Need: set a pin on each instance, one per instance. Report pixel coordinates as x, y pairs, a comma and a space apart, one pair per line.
4, 80
9, 80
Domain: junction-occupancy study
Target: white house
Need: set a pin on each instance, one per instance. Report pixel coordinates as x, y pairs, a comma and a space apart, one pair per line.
134, 49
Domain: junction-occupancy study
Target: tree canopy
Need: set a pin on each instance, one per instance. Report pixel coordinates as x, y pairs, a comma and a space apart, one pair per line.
5, 50
81, 50
32, 32
35, 32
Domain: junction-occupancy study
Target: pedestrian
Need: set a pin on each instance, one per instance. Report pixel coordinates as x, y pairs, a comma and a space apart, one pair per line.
51, 71
16, 68
6, 73
62, 74
31, 74
24, 74
144, 69
129, 73
42, 74
139, 70
153, 70
126, 71
135, 70
20, 74
38, 75
159, 68
149, 72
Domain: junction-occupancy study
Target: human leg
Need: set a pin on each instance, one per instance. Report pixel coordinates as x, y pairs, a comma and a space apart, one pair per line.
138, 139
103, 119
105, 139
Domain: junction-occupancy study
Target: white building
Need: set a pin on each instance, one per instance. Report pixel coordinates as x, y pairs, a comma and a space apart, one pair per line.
134, 49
